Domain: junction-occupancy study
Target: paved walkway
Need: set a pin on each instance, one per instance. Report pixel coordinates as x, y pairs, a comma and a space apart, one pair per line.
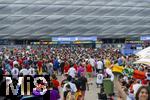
91, 94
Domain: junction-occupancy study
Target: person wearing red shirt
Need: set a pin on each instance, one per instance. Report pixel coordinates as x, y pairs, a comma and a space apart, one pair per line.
20, 61
11, 63
75, 66
55, 82
40, 64
66, 67
89, 70
144, 82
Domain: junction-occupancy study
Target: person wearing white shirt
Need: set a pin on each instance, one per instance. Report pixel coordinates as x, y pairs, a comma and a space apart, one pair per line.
72, 72
15, 72
99, 65
15, 63
109, 72
72, 85
31, 71
92, 62
99, 79
136, 86
24, 71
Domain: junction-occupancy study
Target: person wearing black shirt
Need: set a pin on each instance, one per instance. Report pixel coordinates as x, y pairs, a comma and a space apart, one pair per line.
83, 85
62, 64
78, 93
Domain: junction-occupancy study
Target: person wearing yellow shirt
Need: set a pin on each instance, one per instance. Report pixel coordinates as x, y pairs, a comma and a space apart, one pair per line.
107, 62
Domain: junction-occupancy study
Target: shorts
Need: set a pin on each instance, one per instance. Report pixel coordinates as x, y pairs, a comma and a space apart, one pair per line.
99, 70
89, 74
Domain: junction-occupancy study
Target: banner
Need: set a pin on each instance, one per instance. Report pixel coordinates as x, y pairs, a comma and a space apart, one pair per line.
134, 42
145, 37
92, 38
64, 42
40, 42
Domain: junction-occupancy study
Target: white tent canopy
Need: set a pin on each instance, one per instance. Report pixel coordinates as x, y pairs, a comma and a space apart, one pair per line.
145, 53
143, 61
144, 56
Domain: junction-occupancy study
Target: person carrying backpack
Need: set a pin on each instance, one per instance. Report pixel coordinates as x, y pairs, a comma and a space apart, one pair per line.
83, 85
73, 88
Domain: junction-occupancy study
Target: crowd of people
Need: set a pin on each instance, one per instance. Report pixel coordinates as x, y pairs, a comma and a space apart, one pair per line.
78, 67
